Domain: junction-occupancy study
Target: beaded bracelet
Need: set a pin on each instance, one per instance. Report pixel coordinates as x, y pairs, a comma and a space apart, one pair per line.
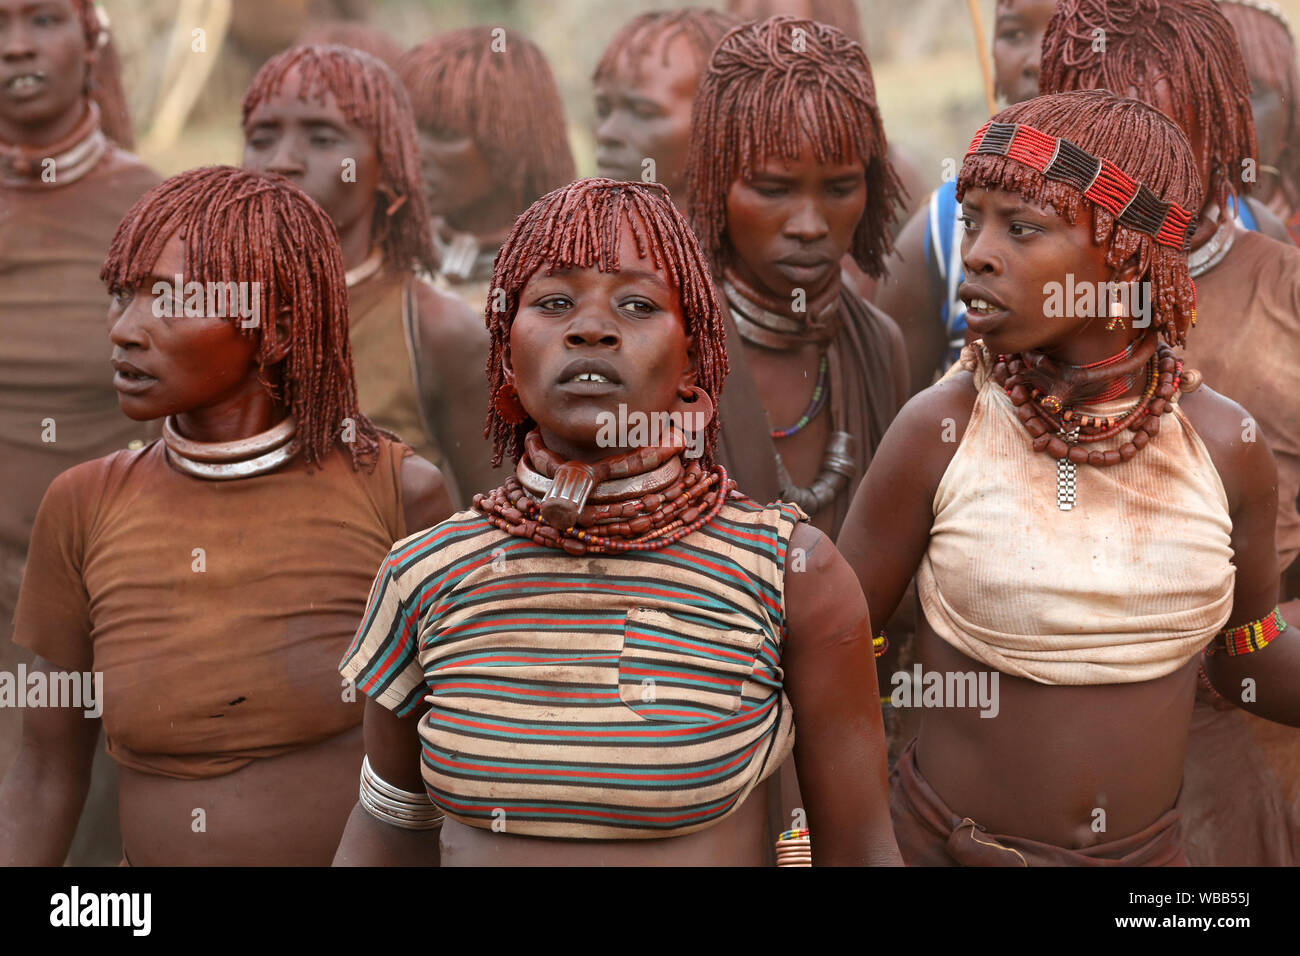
1249, 637
880, 643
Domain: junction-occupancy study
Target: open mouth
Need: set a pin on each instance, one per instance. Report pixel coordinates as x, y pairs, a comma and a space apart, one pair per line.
25, 83
589, 375
129, 379
982, 307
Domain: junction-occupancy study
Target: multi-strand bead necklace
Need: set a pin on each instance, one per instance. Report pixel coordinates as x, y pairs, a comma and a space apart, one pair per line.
1045, 395
648, 500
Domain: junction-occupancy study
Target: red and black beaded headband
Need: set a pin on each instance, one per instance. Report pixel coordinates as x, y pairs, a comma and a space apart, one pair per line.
1100, 180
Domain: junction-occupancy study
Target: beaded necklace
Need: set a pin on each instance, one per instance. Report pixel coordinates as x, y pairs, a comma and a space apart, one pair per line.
648, 503
1062, 431
814, 407
759, 324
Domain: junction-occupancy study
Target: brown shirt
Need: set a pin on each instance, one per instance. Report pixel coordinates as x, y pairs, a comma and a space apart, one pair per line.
381, 357
875, 384
217, 611
1247, 344
57, 403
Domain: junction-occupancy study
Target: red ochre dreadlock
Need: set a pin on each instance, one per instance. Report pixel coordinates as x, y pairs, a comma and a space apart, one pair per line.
105, 80
577, 226
762, 94
1269, 50
358, 36
494, 86
1189, 44
372, 99
241, 226
841, 14
641, 35
1143, 143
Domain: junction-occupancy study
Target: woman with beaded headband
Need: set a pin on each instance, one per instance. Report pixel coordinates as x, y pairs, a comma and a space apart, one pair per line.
65, 182
601, 661
787, 174
492, 139
1081, 517
337, 123
1268, 47
922, 273
210, 580
1182, 57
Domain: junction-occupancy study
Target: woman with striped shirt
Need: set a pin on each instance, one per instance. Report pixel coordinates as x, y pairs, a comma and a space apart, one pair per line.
601, 662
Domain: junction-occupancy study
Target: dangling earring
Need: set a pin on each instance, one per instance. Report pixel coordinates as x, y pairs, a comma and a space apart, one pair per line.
1116, 311
508, 407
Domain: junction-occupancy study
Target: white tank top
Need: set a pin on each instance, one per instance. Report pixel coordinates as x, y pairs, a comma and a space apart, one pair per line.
1128, 586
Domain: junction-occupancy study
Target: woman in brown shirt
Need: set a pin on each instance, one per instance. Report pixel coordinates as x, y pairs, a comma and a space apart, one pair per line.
214, 577
337, 123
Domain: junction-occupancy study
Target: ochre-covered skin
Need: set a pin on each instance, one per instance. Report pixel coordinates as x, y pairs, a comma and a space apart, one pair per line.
221, 383
645, 85
1245, 329
1054, 754
779, 201
633, 320
354, 109
57, 405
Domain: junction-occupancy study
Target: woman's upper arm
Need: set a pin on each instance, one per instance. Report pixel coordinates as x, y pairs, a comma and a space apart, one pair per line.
393, 745
830, 678
425, 500
888, 525
1249, 475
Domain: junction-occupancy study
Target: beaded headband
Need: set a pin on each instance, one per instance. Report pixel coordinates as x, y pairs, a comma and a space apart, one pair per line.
1100, 180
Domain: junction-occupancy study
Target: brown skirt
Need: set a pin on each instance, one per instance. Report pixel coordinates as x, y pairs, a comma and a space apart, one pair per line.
930, 834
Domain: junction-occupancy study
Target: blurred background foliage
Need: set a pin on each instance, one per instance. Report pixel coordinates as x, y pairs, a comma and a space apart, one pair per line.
185, 104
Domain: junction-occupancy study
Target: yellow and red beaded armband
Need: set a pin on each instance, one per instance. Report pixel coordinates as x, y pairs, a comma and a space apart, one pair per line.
1248, 638
880, 643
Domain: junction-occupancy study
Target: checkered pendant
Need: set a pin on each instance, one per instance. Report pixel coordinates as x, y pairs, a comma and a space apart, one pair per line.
1065, 470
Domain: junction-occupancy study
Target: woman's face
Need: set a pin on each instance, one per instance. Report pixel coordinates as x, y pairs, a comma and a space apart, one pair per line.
171, 365
456, 174
43, 63
645, 113
312, 144
586, 342
1014, 252
792, 221
1018, 45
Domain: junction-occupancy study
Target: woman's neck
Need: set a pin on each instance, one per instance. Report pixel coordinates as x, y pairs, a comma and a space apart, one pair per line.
1095, 345
48, 133
240, 417
355, 241
588, 453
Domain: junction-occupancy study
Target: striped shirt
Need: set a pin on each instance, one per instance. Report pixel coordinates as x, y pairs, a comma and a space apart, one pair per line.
607, 696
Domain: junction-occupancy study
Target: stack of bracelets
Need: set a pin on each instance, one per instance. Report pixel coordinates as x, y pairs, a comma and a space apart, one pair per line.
794, 848
400, 808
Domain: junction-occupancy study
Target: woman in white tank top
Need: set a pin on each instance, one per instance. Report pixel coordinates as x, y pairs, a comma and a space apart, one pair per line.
1082, 516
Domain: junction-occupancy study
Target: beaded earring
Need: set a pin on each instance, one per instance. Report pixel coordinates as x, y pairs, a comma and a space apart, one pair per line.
1116, 311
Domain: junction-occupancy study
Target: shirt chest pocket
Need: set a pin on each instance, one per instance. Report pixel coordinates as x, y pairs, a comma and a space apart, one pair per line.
682, 669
